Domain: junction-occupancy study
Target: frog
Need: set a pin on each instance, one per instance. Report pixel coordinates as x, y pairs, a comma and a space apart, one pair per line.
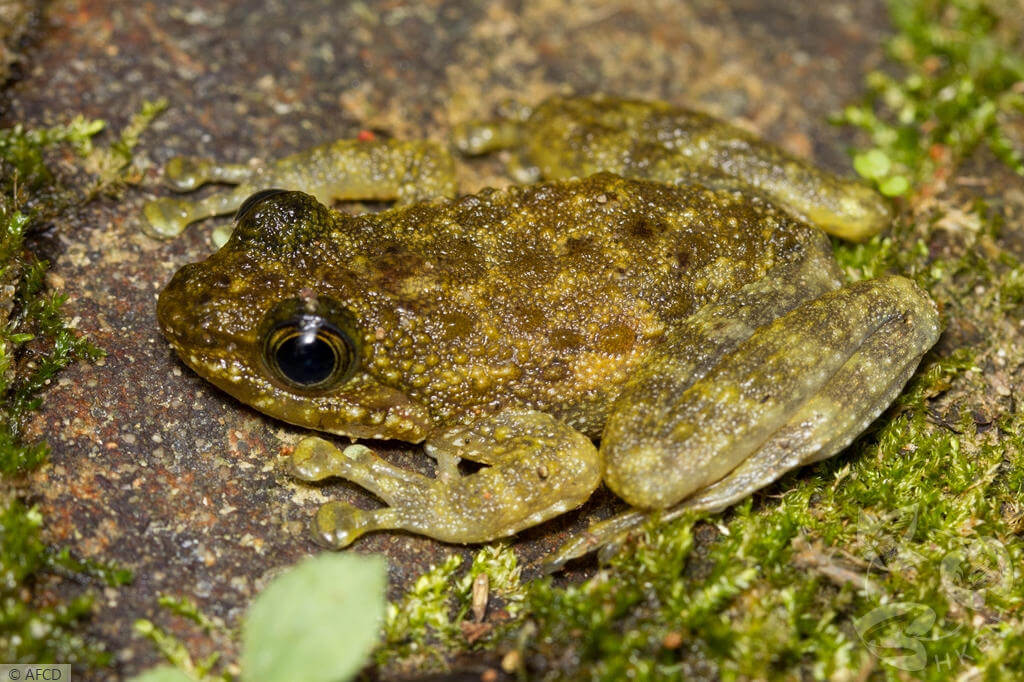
657, 310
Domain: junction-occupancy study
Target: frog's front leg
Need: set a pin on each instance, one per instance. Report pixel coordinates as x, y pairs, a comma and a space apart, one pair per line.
535, 468
797, 391
405, 171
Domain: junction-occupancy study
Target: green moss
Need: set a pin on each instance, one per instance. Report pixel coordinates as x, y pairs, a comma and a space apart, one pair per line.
175, 651
431, 617
960, 64
36, 342
177, 654
29, 632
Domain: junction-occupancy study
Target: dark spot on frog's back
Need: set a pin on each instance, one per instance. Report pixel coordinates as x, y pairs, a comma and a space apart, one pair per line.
532, 268
530, 318
459, 258
645, 227
453, 325
583, 248
563, 339
395, 262
616, 339
556, 370
682, 259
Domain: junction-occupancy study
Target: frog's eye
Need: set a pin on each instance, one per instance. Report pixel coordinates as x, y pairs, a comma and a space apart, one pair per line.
253, 199
309, 353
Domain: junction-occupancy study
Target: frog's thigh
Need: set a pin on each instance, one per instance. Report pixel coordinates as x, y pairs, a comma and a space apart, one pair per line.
538, 468
826, 424
797, 390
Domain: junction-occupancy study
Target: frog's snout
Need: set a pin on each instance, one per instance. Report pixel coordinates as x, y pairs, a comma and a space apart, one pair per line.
171, 314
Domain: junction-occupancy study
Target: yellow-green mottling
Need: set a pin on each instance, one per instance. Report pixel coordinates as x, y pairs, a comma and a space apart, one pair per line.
675, 303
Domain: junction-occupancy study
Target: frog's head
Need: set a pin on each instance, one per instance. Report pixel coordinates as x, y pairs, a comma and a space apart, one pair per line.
248, 320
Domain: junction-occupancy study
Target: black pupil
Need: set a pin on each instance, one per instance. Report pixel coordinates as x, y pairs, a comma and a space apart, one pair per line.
305, 358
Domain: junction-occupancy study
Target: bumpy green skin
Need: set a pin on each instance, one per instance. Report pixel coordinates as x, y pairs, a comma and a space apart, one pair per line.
701, 332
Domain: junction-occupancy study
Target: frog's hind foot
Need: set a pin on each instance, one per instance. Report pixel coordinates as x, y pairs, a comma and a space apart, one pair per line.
894, 324
606, 537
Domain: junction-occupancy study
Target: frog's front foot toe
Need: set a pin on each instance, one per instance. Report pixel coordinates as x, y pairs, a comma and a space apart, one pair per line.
337, 525
185, 173
166, 217
314, 459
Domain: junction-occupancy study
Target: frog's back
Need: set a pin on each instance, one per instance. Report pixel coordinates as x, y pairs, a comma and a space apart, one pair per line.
548, 295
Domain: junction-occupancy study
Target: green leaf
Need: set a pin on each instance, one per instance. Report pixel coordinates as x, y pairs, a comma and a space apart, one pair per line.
164, 673
872, 164
894, 186
317, 622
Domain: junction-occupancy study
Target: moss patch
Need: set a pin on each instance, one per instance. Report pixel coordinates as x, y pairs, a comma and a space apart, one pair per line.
36, 342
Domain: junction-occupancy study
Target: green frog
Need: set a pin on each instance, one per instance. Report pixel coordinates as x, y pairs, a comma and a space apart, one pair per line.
663, 286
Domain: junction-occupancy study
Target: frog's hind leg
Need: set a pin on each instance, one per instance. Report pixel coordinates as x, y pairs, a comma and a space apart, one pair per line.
404, 171
841, 206
537, 468
834, 364
662, 444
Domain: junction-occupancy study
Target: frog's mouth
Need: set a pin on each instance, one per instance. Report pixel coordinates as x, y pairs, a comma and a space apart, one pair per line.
358, 408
